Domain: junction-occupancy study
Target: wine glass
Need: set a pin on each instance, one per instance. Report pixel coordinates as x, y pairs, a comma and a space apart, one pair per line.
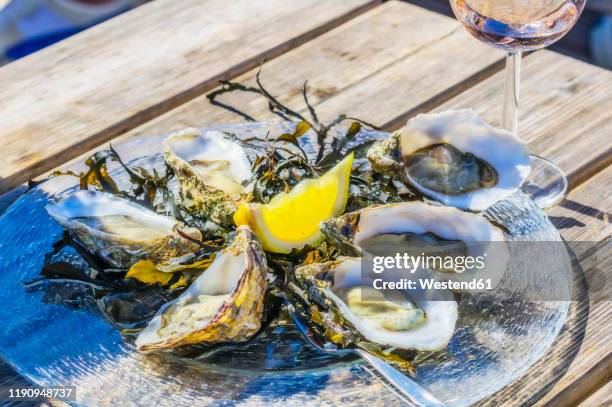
516, 26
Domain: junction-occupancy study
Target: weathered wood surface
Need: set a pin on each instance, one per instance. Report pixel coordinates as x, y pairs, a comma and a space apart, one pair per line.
585, 214
579, 361
357, 69
384, 66
589, 205
69, 98
354, 69
603, 397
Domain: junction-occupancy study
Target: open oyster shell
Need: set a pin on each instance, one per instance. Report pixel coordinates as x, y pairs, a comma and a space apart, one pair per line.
339, 309
122, 231
455, 158
355, 233
352, 229
213, 172
224, 304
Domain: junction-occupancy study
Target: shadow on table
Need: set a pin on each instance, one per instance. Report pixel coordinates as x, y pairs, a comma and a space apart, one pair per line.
567, 222
556, 362
584, 209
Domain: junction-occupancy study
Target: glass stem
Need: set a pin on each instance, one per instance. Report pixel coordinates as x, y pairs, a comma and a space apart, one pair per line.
511, 92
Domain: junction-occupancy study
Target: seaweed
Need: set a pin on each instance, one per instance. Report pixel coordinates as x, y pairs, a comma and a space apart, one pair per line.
304, 124
149, 189
279, 168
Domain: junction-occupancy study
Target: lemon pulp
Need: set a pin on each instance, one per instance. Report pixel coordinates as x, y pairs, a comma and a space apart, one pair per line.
291, 220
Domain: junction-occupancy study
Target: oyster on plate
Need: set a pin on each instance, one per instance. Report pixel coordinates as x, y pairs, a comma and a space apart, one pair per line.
213, 172
122, 231
351, 312
456, 158
224, 304
418, 228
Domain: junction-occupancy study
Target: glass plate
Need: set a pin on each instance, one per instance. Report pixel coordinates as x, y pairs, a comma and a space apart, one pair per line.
50, 344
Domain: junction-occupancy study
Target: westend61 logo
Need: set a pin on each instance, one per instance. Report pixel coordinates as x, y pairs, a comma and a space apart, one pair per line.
440, 266
449, 266
519, 270
410, 263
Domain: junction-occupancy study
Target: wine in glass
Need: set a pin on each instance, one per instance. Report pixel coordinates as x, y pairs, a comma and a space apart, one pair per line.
516, 26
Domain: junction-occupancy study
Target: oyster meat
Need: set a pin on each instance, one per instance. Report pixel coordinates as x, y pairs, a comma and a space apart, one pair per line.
455, 158
350, 311
224, 304
122, 231
213, 172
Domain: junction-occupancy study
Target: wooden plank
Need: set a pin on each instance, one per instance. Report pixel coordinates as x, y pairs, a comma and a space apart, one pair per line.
65, 100
565, 111
585, 214
590, 365
603, 397
579, 361
583, 386
590, 205
375, 67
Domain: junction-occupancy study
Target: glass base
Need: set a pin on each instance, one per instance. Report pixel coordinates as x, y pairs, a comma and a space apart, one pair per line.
547, 184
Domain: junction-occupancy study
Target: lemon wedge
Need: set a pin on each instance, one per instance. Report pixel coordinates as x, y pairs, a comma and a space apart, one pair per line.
291, 219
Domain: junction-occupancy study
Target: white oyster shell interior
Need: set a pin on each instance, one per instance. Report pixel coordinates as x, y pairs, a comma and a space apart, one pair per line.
469, 133
433, 334
220, 162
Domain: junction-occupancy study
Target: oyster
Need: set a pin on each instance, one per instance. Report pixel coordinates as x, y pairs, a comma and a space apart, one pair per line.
349, 311
455, 158
418, 228
122, 231
212, 170
224, 304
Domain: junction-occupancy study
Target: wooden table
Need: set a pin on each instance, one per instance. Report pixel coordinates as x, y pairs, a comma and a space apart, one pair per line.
147, 72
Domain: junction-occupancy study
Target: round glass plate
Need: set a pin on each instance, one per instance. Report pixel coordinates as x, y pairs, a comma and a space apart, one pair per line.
52, 343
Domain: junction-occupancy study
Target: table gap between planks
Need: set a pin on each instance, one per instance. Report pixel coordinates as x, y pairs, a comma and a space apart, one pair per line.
382, 62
